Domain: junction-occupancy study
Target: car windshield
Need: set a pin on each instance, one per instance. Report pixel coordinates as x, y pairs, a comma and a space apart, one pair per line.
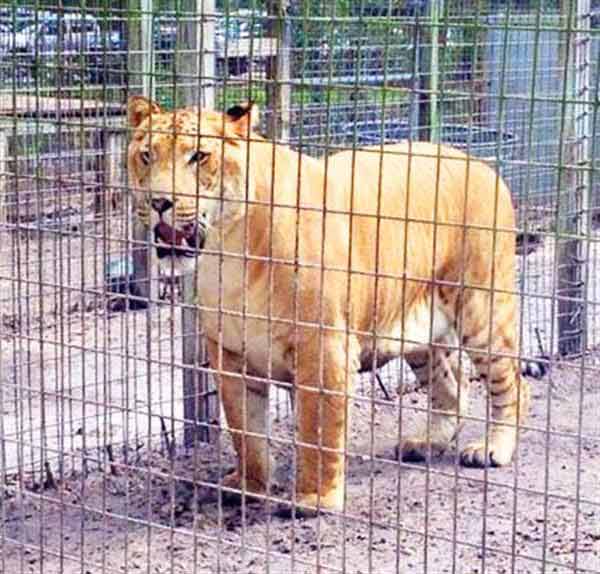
22, 24
231, 29
50, 28
80, 26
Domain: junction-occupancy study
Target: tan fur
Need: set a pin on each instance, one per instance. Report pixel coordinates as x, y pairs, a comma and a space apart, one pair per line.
424, 265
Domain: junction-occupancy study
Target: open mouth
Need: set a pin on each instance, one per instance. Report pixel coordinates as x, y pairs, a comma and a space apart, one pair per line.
174, 242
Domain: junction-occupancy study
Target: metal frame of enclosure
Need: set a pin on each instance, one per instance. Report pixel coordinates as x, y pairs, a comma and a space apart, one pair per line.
113, 438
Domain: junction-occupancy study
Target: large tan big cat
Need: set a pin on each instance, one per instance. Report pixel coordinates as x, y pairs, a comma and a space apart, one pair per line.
294, 289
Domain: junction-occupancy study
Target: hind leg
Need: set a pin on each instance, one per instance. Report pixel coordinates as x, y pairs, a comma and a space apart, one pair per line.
439, 368
492, 349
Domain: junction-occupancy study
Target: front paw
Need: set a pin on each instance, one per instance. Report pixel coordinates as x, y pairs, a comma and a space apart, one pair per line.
235, 489
475, 455
309, 505
415, 449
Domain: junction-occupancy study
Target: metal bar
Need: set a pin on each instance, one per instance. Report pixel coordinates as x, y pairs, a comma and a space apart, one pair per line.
147, 48
187, 55
140, 50
436, 10
140, 252
195, 34
279, 71
208, 70
4, 177
114, 144
198, 402
575, 204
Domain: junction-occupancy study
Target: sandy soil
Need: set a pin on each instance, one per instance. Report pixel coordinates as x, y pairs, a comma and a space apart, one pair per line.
76, 377
155, 512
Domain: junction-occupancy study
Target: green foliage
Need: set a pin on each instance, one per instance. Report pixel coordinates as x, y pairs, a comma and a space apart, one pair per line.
235, 94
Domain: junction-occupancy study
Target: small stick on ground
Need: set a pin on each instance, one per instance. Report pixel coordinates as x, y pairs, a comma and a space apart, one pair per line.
385, 392
49, 481
165, 435
85, 468
539, 342
111, 459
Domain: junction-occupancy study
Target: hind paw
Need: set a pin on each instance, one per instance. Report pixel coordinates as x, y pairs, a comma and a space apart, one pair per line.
419, 450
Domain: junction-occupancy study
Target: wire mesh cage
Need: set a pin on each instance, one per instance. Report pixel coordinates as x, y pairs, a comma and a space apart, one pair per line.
253, 257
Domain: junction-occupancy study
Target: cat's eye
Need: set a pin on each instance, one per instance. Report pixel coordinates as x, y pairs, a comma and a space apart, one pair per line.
199, 157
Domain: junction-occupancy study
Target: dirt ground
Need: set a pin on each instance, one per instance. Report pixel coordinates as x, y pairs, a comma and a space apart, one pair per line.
154, 512
76, 378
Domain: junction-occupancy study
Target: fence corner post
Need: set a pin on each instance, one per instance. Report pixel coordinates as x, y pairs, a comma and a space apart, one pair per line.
195, 57
574, 206
114, 143
198, 408
279, 74
140, 253
197, 61
3, 178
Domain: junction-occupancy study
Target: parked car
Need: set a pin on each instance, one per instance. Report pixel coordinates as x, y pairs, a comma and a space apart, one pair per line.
12, 24
35, 36
233, 35
71, 33
5, 38
165, 34
22, 16
240, 25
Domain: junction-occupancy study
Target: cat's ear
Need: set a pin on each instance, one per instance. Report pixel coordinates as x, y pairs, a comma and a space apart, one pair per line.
244, 118
139, 108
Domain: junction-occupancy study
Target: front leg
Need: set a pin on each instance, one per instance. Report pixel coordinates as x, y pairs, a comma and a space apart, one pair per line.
323, 389
245, 405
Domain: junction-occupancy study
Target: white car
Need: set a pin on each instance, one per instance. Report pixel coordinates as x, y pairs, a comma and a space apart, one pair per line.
72, 33
6, 39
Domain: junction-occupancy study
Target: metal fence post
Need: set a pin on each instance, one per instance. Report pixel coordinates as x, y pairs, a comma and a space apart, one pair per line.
195, 54
416, 80
279, 73
208, 48
147, 48
140, 57
3, 177
113, 145
436, 9
427, 63
198, 407
575, 205
196, 62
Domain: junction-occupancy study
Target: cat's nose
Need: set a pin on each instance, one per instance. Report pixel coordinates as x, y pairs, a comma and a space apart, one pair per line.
161, 204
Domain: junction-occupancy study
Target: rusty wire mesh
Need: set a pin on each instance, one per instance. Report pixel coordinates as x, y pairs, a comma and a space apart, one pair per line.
113, 441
